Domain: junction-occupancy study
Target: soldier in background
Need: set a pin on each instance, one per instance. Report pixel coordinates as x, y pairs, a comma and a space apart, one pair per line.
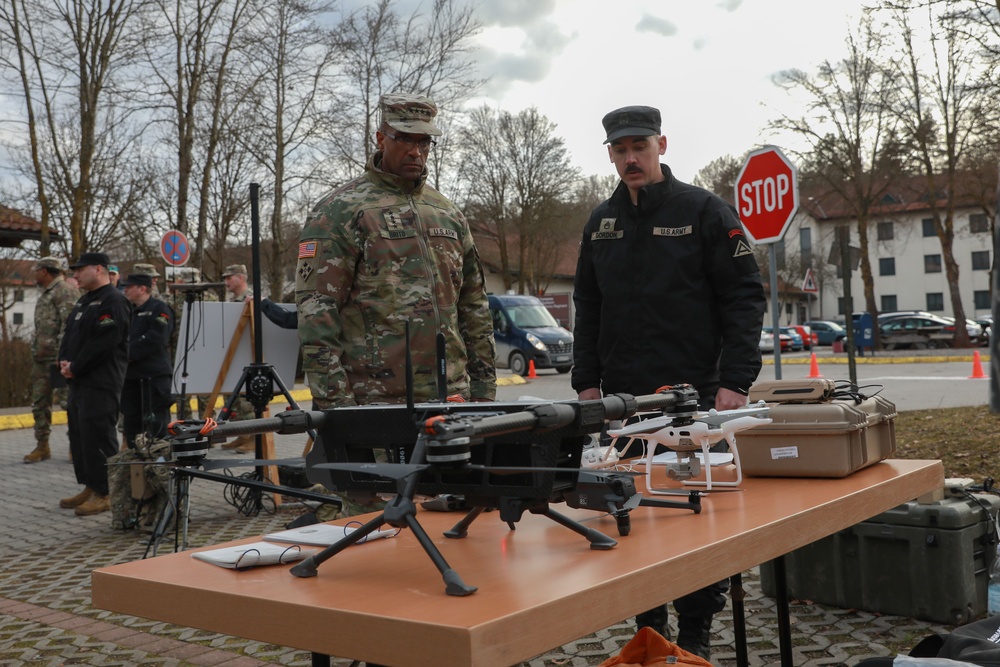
141, 269
237, 290
51, 310
114, 276
146, 393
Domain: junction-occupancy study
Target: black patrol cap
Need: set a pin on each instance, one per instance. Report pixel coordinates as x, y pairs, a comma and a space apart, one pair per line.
631, 122
138, 279
91, 259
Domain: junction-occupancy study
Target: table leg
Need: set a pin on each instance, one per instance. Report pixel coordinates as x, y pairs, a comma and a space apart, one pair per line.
784, 620
320, 660
739, 619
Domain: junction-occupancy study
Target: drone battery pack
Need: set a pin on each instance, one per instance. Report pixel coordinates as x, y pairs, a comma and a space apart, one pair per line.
831, 439
808, 390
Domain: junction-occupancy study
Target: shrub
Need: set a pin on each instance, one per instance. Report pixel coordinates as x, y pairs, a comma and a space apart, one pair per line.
15, 373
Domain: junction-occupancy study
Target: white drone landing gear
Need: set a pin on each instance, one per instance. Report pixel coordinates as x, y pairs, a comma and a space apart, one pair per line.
685, 434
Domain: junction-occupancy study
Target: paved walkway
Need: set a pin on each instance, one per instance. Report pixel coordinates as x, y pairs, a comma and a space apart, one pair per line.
46, 617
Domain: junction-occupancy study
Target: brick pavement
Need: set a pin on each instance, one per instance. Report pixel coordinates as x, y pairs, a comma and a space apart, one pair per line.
46, 617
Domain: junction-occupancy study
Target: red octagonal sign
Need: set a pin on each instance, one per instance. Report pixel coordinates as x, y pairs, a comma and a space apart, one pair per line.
767, 195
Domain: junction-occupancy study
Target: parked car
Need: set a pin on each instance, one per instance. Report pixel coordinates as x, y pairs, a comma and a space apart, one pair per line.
784, 339
928, 331
525, 331
766, 341
986, 322
797, 341
827, 332
808, 336
972, 327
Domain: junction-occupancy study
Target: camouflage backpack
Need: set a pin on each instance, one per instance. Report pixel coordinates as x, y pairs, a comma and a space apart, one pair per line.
138, 492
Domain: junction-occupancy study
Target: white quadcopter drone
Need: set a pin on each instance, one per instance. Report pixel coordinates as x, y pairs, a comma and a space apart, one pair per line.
685, 434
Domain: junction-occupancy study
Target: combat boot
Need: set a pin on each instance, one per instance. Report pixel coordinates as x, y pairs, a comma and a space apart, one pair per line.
94, 505
40, 453
77, 500
239, 442
694, 635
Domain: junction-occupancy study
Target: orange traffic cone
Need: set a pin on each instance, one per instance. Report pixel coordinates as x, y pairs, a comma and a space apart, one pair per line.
531, 369
814, 367
977, 368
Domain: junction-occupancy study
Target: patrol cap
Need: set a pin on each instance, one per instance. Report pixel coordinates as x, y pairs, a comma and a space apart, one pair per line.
631, 122
138, 279
233, 269
91, 259
54, 263
145, 269
409, 113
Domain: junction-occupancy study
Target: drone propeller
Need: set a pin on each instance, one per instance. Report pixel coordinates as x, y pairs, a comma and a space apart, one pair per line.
216, 464
714, 419
397, 471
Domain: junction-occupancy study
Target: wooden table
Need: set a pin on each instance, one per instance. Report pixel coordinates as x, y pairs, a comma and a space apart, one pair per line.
540, 586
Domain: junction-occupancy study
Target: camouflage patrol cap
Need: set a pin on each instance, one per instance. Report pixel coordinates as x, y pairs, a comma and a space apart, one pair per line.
234, 269
409, 113
53, 263
145, 270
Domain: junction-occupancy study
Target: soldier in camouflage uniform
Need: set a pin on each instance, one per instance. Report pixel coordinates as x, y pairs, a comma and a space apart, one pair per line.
383, 250
53, 306
237, 290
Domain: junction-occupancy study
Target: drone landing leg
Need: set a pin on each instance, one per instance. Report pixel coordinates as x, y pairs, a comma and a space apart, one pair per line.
598, 540
461, 529
307, 568
452, 581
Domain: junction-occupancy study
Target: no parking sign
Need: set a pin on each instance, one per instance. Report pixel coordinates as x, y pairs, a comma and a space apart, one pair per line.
175, 248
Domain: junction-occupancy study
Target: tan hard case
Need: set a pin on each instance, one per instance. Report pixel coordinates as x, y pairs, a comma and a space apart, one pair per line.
825, 439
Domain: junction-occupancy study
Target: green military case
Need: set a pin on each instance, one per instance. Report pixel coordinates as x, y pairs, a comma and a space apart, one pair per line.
920, 560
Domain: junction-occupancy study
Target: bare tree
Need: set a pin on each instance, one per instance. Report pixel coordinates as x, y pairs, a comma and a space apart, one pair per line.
517, 170
939, 111
73, 57
850, 131
719, 175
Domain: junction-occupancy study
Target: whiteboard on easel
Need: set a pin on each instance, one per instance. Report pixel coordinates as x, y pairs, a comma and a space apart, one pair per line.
213, 324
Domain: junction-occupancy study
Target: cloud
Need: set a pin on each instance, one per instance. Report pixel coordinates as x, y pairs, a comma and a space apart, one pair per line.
729, 5
649, 23
513, 13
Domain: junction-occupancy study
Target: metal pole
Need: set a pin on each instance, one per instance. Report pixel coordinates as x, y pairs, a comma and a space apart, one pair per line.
773, 272
844, 234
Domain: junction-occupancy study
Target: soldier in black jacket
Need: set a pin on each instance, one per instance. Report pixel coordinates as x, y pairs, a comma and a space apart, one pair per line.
667, 291
92, 358
146, 395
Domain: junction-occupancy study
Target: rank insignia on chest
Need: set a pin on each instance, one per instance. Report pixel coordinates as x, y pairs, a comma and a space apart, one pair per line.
606, 230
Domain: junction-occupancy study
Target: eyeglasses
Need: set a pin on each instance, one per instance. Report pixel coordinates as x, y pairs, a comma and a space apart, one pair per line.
423, 145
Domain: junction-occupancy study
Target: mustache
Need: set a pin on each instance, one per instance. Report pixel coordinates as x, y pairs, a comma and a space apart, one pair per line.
632, 169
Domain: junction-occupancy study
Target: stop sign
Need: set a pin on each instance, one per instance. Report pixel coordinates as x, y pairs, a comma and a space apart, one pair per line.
767, 194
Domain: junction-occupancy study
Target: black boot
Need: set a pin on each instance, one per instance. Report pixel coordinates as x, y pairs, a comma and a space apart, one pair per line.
655, 618
694, 635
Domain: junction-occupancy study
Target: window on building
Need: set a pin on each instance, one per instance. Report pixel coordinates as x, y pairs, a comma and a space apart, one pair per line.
928, 227
982, 299
885, 231
840, 305
805, 245
18, 318
887, 266
18, 295
978, 223
779, 254
935, 301
932, 263
980, 260
888, 303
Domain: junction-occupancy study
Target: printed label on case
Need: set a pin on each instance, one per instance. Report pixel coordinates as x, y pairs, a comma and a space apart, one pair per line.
784, 453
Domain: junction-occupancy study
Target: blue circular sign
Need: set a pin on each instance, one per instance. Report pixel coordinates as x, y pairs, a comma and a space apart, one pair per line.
175, 248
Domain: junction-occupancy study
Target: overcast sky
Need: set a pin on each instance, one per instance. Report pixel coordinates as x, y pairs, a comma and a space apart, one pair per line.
707, 65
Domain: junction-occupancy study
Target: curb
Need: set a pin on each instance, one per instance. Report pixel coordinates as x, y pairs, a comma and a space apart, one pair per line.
24, 419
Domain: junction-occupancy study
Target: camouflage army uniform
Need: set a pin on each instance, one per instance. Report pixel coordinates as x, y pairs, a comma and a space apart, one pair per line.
51, 311
374, 254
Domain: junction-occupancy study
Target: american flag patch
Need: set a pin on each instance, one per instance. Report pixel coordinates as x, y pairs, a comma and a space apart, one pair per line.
307, 249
